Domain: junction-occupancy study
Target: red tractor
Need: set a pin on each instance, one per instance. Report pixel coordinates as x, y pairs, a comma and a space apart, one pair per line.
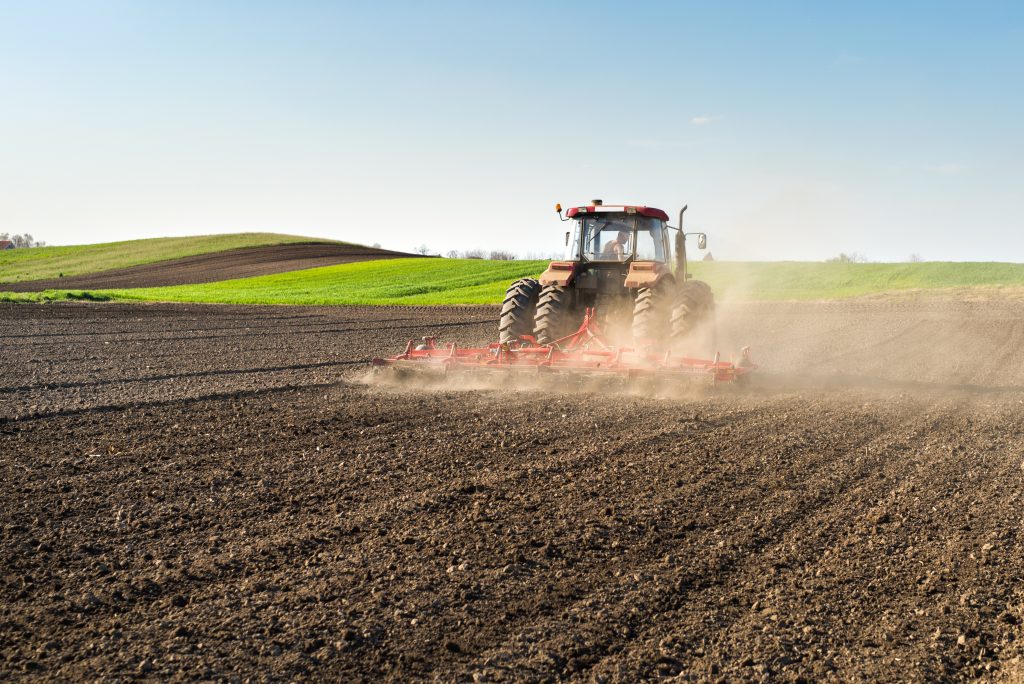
619, 263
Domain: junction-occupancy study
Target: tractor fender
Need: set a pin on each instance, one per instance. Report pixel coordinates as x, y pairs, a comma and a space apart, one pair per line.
559, 273
646, 274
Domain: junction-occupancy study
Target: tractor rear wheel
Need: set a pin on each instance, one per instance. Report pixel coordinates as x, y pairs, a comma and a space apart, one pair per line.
519, 310
651, 312
556, 315
694, 307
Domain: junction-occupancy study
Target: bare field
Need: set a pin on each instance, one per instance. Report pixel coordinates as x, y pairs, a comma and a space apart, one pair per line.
212, 492
245, 262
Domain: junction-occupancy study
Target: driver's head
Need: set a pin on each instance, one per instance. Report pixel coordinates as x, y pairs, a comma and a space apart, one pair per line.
622, 237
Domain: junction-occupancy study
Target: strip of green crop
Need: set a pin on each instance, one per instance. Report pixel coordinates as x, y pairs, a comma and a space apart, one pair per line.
40, 263
471, 281
392, 281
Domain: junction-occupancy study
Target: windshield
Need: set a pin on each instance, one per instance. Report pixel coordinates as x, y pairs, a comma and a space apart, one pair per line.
607, 237
610, 237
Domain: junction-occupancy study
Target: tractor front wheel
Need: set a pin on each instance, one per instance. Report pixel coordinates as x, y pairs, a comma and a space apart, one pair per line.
519, 310
556, 314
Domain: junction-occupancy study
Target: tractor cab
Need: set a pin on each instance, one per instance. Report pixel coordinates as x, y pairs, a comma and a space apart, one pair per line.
617, 234
617, 262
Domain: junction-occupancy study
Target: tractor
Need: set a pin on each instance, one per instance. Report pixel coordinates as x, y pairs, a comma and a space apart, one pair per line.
619, 264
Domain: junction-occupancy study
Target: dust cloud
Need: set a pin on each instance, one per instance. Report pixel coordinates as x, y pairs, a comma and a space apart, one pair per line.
914, 345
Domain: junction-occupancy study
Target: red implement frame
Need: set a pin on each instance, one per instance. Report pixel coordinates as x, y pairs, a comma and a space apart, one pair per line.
584, 351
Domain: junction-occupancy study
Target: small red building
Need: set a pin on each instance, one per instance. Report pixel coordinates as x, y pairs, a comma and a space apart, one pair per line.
6, 244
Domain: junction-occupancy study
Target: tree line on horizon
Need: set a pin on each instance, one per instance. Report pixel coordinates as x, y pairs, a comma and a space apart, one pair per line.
21, 241
491, 255
504, 255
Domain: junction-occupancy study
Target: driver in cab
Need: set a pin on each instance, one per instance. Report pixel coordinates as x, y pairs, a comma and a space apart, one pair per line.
616, 248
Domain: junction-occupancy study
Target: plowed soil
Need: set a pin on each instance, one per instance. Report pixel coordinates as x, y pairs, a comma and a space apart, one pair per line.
207, 268
196, 492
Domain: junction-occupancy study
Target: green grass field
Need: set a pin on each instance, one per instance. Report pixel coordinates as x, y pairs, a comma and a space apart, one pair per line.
800, 280
390, 281
50, 262
462, 281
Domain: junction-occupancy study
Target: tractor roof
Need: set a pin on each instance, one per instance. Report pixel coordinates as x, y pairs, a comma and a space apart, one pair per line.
618, 209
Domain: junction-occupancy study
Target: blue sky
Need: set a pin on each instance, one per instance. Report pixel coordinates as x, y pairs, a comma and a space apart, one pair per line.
792, 129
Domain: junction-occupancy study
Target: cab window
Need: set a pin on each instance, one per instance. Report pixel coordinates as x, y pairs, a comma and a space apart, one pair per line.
650, 240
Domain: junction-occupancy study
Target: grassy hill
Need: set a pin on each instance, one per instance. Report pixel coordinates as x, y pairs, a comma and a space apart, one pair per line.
51, 262
470, 281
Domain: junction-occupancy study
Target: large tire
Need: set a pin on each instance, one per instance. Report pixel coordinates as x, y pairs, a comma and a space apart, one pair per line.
518, 310
694, 307
651, 314
556, 316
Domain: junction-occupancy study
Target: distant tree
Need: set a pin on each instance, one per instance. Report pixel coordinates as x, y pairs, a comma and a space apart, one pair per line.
708, 257
376, 245
851, 258
453, 254
422, 249
501, 255
473, 254
915, 258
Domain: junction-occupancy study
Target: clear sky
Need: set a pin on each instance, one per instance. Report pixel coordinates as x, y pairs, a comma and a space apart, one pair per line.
794, 130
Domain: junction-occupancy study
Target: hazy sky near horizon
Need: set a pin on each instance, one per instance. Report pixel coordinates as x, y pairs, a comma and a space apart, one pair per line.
794, 130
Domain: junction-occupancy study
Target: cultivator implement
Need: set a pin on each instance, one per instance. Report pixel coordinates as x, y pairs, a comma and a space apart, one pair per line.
585, 353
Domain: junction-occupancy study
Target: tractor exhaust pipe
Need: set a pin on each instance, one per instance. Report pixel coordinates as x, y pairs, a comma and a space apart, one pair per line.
681, 249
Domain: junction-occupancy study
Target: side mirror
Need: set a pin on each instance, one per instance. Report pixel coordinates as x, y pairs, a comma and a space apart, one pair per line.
702, 241
566, 238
